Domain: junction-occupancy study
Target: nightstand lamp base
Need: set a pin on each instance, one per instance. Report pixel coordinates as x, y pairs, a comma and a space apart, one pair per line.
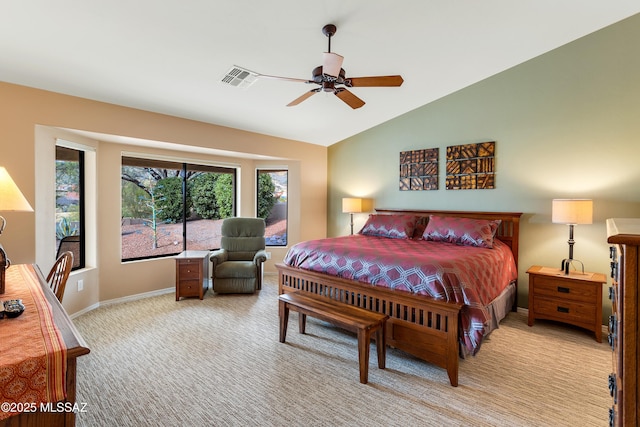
566, 264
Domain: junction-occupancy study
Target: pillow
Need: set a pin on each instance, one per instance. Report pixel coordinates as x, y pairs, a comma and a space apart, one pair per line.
393, 226
462, 231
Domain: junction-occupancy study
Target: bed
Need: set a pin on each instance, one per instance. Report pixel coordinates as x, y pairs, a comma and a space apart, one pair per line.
444, 291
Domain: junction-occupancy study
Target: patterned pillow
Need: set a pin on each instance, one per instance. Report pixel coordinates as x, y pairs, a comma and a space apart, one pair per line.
462, 231
393, 226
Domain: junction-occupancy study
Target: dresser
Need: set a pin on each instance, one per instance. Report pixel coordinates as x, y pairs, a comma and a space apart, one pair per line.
624, 238
192, 274
51, 320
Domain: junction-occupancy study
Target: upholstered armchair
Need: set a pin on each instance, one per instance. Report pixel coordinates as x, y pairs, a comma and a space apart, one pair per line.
237, 265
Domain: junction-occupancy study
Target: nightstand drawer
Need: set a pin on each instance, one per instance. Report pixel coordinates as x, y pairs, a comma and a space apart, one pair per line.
189, 270
565, 311
190, 288
565, 289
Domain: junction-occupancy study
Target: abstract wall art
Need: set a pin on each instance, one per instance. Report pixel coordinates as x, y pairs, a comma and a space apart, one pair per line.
419, 169
471, 166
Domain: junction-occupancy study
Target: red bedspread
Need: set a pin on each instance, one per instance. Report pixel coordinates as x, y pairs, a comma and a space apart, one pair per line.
465, 274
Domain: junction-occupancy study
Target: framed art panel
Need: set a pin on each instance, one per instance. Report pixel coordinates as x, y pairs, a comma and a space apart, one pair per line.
419, 169
471, 166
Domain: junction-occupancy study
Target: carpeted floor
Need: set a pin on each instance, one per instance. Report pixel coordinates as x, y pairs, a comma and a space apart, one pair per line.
218, 362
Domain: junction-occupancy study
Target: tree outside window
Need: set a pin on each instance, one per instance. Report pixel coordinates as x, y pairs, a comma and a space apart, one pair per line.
169, 207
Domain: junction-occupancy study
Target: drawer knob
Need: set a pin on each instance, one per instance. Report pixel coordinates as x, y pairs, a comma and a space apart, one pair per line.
563, 309
563, 290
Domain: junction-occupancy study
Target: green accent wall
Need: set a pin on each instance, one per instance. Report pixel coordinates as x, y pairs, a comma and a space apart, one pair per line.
566, 124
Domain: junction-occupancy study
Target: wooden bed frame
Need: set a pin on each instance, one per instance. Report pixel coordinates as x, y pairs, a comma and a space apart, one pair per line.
419, 325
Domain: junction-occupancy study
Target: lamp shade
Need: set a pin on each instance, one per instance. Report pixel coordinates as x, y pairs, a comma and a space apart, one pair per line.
572, 211
11, 198
331, 63
351, 205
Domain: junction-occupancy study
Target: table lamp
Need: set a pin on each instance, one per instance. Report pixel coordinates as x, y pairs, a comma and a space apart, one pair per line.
11, 200
571, 212
351, 205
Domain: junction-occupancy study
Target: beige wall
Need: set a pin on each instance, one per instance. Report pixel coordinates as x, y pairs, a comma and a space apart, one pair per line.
30, 122
566, 124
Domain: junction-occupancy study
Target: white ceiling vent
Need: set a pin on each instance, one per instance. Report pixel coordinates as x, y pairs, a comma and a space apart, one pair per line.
239, 77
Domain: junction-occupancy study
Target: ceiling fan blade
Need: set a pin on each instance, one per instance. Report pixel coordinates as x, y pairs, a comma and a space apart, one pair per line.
349, 98
304, 96
331, 63
373, 81
290, 79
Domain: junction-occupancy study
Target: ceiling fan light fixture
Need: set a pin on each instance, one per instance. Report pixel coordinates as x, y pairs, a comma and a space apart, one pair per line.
331, 64
331, 77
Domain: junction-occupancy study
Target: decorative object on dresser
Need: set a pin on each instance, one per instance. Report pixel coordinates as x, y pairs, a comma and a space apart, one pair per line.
192, 274
11, 200
424, 320
624, 323
574, 298
571, 212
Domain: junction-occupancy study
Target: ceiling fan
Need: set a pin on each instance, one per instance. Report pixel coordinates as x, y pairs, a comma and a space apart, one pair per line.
331, 77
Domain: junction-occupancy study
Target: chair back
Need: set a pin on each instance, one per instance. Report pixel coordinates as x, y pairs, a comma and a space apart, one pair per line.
70, 243
57, 277
242, 237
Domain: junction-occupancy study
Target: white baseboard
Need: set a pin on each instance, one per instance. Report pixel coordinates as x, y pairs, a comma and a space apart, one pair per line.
124, 299
137, 297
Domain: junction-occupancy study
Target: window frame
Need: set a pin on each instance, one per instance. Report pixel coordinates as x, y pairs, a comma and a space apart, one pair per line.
81, 262
261, 170
184, 166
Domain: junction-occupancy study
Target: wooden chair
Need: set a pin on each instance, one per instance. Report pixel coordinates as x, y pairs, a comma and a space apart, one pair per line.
57, 277
70, 243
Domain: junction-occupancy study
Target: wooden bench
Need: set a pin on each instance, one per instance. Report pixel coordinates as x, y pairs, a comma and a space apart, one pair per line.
354, 319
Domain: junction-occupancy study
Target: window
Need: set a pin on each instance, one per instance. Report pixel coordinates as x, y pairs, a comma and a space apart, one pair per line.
169, 207
272, 204
70, 204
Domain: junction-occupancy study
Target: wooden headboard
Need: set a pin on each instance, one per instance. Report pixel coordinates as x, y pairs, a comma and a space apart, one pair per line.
508, 232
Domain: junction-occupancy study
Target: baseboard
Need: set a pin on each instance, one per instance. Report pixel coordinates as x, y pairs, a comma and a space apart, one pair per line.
84, 310
137, 297
124, 299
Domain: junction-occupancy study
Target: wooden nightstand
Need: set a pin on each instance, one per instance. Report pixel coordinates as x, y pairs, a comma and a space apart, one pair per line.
575, 299
192, 274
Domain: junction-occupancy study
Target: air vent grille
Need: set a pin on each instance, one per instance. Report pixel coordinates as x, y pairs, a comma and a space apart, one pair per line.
239, 77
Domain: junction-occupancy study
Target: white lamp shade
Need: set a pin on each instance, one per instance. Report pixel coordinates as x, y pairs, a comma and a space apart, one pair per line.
351, 205
572, 211
11, 198
331, 63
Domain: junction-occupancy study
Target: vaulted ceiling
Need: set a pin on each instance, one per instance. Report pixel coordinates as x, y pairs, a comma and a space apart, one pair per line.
170, 56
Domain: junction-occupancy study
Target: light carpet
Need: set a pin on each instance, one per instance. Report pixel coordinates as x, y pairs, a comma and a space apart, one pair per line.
218, 362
